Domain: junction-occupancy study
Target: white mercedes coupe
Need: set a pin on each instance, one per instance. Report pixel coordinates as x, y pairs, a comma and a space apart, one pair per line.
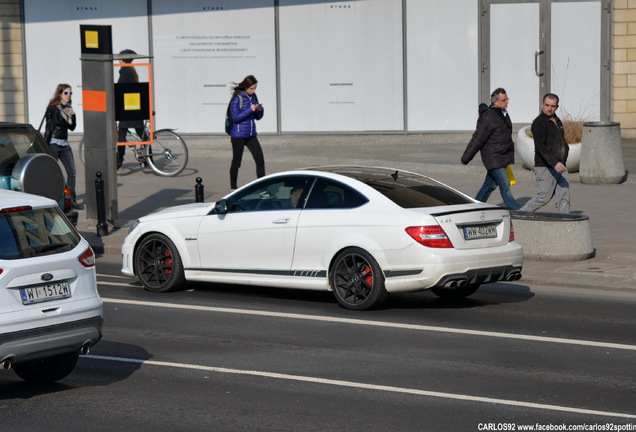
361, 232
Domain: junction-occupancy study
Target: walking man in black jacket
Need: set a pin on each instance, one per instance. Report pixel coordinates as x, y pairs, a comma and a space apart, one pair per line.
493, 139
550, 155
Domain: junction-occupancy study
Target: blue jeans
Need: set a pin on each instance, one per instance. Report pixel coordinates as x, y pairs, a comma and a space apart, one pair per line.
497, 177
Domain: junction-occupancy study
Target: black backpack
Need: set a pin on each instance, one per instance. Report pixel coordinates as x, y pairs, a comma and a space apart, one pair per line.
228, 116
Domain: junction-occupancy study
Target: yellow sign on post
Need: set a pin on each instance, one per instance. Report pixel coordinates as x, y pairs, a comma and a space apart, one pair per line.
92, 39
132, 101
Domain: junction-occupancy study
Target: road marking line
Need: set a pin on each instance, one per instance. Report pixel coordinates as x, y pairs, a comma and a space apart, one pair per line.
379, 324
341, 383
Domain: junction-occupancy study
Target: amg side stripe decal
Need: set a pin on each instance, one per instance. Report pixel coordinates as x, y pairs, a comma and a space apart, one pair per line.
302, 273
297, 273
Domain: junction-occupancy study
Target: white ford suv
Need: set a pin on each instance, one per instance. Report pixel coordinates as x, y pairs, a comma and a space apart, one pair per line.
50, 310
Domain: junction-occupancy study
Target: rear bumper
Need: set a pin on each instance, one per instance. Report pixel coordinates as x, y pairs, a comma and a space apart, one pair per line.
442, 266
481, 276
44, 342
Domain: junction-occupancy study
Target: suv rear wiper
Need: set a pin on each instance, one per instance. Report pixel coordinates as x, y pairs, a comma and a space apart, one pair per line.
49, 247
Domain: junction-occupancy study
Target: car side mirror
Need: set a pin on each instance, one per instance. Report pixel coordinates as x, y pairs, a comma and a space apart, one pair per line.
220, 207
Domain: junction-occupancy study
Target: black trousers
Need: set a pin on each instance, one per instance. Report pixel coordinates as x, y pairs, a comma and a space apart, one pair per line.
254, 146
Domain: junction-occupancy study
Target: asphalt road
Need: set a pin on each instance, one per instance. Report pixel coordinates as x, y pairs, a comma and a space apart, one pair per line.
222, 358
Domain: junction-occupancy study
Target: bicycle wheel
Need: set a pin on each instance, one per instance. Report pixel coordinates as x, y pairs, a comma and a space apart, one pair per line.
168, 154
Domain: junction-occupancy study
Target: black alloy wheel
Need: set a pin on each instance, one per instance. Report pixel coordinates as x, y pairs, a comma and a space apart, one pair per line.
158, 264
357, 280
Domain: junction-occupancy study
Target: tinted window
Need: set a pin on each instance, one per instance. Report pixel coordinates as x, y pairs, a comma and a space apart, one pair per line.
14, 145
29, 233
331, 194
273, 194
408, 190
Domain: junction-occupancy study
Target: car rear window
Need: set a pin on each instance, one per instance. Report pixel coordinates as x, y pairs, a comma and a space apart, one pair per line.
26, 233
14, 145
408, 190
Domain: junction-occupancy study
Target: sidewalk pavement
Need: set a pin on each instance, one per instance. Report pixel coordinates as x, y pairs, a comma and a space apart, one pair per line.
611, 208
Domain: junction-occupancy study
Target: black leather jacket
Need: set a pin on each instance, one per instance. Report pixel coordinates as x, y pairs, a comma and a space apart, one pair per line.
549, 143
56, 124
493, 138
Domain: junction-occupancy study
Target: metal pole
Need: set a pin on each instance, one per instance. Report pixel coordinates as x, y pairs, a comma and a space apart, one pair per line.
198, 190
102, 226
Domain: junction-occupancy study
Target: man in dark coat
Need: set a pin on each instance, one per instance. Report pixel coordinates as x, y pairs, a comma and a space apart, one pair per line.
127, 74
493, 139
550, 154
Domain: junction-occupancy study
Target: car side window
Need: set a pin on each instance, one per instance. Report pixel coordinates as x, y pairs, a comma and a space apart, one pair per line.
333, 195
280, 193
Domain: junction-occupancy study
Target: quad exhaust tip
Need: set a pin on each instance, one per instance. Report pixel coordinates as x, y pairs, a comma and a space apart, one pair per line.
85, 349
514, 276
6, 364
456, 283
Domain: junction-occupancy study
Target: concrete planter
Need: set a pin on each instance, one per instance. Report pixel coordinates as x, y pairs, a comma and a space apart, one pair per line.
602, 159
553, 236
525, 151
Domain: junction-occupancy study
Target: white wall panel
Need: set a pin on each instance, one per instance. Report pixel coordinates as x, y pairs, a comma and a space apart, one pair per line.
53, 47
200, 46
341, 65
442, 72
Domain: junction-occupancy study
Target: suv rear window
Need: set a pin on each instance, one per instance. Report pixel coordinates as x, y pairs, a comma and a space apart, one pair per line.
26, 233
14, 145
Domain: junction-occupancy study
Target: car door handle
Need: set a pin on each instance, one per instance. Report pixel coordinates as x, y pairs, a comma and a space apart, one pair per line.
281, 221
536, 62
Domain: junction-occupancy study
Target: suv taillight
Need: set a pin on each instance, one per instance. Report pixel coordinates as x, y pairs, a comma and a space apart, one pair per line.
87, 259
430, 236
511, 238
68, 199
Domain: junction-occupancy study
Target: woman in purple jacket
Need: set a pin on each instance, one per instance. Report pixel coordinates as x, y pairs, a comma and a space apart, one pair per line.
245, 110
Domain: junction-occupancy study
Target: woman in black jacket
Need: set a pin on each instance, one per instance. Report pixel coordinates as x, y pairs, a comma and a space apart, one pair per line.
60, 118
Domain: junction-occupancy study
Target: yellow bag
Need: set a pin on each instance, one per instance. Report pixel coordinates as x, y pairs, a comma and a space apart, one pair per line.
511, 175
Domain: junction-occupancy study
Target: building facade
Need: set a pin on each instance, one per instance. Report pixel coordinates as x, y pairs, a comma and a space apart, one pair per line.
365, 66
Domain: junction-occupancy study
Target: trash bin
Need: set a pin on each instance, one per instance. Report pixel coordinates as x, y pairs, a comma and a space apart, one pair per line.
601, 153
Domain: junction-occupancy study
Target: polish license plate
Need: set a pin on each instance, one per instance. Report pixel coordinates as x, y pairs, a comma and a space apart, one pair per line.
480, 231
43, 293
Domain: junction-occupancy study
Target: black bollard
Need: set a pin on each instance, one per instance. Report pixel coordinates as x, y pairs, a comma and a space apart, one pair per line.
198, 190
102, 227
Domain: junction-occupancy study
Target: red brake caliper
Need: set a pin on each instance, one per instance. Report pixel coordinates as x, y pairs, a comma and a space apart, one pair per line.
168, 262
369, 275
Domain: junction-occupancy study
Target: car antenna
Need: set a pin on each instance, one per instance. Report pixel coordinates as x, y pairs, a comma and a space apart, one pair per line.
395, 175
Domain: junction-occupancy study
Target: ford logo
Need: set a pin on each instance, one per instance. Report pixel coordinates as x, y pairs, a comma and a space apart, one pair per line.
46, 277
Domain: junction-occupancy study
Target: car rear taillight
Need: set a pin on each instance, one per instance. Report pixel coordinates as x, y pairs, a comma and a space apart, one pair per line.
430, 236
68, 199
511, 238
87, 259
1, 270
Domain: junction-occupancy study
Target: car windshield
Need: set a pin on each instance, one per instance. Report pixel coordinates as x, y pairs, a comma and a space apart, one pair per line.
408, 190
14, 145
26, 233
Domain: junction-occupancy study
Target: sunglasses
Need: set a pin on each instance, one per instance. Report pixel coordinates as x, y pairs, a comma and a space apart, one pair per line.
67, 93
